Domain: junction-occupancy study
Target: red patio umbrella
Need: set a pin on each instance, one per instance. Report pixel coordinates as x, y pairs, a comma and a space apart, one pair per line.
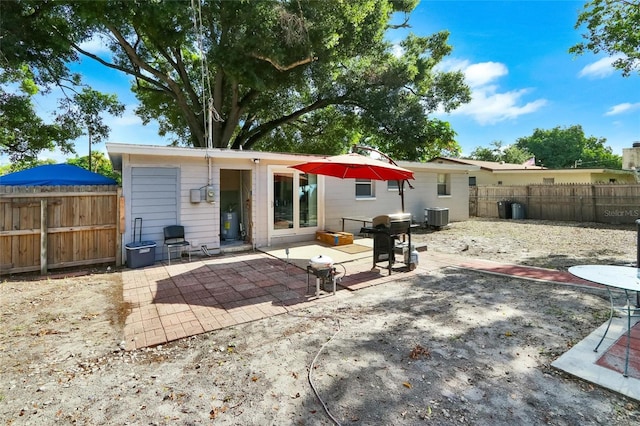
355, 166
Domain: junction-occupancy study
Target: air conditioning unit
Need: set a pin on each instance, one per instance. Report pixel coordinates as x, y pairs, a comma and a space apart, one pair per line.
436, 217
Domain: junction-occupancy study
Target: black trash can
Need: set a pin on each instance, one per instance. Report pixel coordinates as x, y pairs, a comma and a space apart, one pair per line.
504, 209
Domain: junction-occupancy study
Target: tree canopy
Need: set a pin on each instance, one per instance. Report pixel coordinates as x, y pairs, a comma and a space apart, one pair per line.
289, 75
509, 154
36, 47
98, 163
613, 27
559, 148
86, 110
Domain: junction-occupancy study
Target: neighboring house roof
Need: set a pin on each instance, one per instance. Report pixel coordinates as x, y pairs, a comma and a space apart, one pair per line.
487, 165
55, 175
498, 168
570, 171
521, 172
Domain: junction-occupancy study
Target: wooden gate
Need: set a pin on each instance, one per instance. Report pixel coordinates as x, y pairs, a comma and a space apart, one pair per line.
45, 228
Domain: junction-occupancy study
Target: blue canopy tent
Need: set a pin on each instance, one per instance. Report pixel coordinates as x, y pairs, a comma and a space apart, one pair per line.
54, 175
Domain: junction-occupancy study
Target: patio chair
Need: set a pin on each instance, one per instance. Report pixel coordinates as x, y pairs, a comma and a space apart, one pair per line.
174, 239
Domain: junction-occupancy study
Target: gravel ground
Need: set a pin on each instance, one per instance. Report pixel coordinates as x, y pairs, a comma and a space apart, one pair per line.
452, 347
545, 244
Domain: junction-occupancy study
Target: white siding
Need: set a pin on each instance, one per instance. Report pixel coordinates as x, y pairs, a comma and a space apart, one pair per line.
201, 226
261, 206
153, 199
340, 200
163, 200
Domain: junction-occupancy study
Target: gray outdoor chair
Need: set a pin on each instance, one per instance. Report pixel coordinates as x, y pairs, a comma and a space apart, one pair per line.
174, 239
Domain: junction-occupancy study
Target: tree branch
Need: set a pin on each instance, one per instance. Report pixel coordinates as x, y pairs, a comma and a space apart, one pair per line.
172, 87
135, 60
184, 77
283, 68
135, 73
254, 135
404, 24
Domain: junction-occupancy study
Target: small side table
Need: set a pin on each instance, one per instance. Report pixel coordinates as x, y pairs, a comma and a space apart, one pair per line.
618, 277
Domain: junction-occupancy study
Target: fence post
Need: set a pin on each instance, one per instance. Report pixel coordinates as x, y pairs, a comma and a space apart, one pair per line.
594, 202
120, 228
638, 261
44, 230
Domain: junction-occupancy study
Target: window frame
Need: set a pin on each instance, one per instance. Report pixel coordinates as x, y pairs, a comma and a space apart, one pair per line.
365, 183
443, 185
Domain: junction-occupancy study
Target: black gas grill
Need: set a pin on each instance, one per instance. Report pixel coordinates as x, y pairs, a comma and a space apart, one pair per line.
385, 230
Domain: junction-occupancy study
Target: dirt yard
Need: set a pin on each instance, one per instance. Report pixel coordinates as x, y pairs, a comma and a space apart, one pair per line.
452, 347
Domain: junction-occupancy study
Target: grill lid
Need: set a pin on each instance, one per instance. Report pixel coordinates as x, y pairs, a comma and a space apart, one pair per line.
387, 219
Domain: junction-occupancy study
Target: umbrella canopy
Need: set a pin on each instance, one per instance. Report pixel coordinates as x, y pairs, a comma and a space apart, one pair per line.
55, 174
354, 166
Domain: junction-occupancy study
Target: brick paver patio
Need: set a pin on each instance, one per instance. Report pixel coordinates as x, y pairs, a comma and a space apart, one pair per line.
189, 298
184, 299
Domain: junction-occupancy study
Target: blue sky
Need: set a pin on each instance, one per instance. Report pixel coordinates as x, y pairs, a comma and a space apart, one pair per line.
515, 58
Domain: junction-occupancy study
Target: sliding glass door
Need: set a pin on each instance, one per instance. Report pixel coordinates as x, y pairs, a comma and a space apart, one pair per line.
294, 202
283, 200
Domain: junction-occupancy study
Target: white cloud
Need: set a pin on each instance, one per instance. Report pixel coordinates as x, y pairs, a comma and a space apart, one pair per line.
97, 44
397, 50
490, 107
488, 104
475, 75
452, 64
622, 108
478, 75
600, 69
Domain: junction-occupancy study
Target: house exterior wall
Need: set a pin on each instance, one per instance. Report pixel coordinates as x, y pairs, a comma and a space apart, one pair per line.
154, 200
564, 176
202, 220
532, 177
198, 219
336, 197
560, 176
261, 204
631, 158
341, 201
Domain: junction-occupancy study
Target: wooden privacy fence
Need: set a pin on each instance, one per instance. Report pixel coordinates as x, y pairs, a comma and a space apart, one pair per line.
614, 204
47, 227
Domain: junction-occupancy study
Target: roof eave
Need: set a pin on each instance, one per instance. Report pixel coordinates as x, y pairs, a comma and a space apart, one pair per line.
116, 152
566, 171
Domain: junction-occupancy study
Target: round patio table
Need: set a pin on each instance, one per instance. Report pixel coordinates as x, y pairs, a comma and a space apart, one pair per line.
613, 277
